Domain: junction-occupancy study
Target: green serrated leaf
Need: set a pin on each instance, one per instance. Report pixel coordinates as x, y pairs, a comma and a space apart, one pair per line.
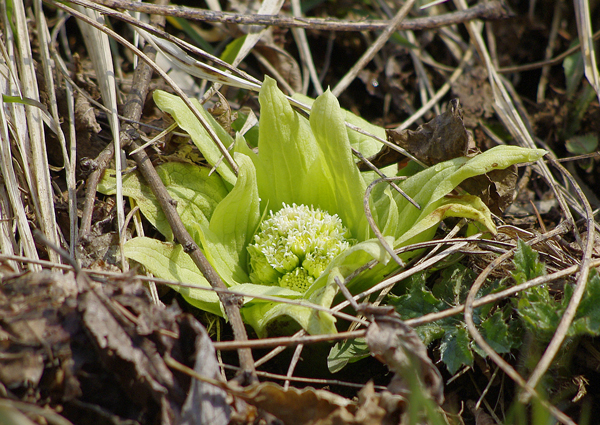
541, 313
454, 284
496, 333
587, 319
455, 349
417, 302
345, 352
526, 264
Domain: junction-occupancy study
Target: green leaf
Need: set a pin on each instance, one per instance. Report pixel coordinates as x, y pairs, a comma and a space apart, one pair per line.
454, 283
587, 319
186, 120
232, 226
366, 145
467, 206
417, 302
232, 49
541, 313
581, 145
496, 333
197, 194
574, 69
455, 349
429, 187
346, 185
349, 351
384, 208
252, 290
287, 151
260, 315
168, 261
526, 263
451, 290
351, 259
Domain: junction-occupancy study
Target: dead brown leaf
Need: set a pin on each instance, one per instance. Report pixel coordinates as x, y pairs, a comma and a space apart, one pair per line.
400, 348
309, 406
441, 139
496, 188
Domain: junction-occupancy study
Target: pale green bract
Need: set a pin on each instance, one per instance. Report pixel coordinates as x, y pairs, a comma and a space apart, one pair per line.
305, 176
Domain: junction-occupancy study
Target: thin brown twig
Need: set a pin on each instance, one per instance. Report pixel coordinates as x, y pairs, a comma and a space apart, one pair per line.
293, 363
487, 11
314, 381
287, 341
554, 61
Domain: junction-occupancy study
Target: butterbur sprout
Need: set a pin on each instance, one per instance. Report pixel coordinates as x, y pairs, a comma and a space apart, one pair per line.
306, 177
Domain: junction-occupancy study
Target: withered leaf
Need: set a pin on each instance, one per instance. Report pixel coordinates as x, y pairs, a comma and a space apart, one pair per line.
309, 406
205, 404
398, 346
441, 139
496, 188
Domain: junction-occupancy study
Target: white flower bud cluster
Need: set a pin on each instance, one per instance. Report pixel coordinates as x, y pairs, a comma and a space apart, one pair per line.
295, 245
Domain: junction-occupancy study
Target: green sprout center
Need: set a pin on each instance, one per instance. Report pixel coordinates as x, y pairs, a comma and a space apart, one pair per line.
295, 245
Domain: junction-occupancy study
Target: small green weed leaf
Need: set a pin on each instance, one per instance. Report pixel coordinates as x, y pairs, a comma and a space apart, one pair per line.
496, 333
197, 194
574, 69
450, 290
526, 263
232, 49
418, 301
454, 284
587, 319
541, 313
580, 145
186, 120
455, 349
345, 352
